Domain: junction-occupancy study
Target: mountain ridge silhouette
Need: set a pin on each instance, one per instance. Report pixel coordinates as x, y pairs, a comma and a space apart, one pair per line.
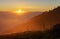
49, 18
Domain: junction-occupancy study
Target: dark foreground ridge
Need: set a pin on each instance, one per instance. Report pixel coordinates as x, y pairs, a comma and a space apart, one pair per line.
54, 33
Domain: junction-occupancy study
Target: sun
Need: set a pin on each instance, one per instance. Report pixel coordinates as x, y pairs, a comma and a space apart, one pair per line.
19, 11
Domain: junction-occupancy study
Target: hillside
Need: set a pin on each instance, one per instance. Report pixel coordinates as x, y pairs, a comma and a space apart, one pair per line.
47, 19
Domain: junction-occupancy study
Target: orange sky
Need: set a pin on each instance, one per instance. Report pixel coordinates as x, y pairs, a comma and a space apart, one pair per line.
28, 5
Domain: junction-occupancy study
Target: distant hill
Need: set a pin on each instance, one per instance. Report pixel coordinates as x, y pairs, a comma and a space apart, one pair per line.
46, 20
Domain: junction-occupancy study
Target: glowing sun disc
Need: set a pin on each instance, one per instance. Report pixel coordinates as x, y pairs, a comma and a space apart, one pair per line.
19, 11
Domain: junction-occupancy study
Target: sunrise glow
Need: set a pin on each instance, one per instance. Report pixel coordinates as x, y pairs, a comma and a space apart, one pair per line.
19, 11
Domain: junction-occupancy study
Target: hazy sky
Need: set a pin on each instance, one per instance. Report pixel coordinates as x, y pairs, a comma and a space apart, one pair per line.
30, 5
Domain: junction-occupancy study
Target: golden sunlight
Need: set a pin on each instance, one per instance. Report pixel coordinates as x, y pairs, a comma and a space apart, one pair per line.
19, 11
